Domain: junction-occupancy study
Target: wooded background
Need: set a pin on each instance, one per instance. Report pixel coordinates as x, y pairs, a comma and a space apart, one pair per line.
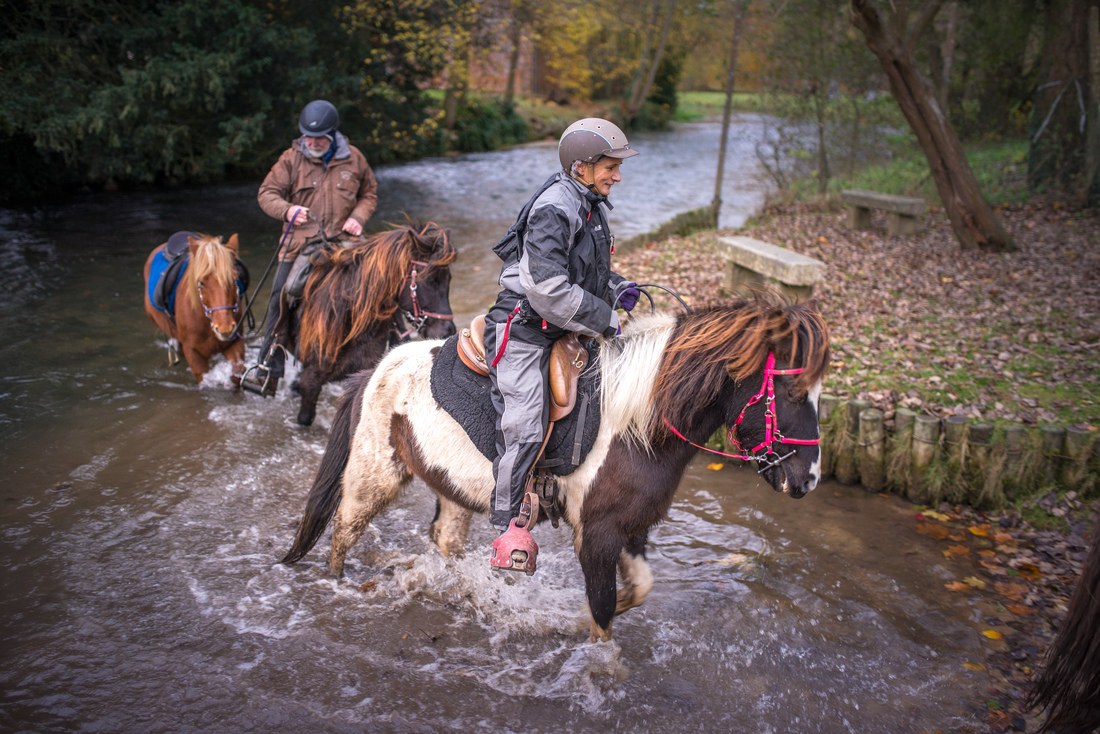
114, 93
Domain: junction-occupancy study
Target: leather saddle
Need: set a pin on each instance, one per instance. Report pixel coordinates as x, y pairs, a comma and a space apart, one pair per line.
568, 358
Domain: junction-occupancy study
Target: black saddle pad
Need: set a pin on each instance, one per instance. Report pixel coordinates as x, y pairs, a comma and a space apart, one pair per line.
465, 396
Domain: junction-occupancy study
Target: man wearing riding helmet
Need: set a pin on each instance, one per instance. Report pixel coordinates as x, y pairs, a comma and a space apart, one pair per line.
556, 278
321, 186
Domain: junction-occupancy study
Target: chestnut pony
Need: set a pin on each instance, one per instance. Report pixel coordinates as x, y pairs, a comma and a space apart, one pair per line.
207, 305
666, 384
363, 298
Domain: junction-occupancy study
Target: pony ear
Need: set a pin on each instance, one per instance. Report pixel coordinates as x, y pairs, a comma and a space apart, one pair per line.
233, 244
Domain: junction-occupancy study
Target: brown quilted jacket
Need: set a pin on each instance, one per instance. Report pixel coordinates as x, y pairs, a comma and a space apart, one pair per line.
346, 188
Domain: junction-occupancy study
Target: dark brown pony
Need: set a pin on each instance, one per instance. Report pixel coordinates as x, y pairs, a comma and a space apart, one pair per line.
361, 299
1068, 689
695, 373
207, 306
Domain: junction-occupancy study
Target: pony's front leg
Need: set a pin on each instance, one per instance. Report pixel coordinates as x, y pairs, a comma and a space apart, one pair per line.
309, 387
636, 576
199, 364
235, 355
450, 527
601, 546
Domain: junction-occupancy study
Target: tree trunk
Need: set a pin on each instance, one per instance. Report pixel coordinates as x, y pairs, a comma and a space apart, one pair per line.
458, 81
643, 57
739, 7
1090, 185
947, 53
513, 59
972, 220
1056, 153
647, 69
820, 103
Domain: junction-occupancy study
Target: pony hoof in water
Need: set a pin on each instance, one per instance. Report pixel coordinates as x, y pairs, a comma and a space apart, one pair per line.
663, 388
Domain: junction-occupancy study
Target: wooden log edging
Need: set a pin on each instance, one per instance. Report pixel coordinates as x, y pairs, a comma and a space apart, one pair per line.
929, 459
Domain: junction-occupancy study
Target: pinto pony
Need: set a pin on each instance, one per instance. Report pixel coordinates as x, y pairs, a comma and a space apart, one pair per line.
205, 310
360, 300
1068, 689
666, 385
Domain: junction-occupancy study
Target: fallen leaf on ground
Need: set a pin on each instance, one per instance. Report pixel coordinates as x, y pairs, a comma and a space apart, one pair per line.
939, 532
1029, 571
974, 581
1013, 591
955, 550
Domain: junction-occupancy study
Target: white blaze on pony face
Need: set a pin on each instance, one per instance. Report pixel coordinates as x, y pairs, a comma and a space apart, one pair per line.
813, 471
814, 397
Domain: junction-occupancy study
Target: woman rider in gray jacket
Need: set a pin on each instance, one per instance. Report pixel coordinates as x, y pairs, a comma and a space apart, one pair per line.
556, 278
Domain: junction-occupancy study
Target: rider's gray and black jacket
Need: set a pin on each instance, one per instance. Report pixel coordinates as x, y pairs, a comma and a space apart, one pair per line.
562, 273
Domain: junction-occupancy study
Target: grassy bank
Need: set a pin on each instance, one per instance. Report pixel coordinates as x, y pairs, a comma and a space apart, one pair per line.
998, 337
1000, 167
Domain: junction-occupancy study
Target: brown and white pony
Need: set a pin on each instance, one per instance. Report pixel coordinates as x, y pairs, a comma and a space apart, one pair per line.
207, 305
360, 300
692, 373
1067, 690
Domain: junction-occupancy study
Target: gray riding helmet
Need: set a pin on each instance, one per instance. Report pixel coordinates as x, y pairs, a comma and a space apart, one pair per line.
318, 118
590, 139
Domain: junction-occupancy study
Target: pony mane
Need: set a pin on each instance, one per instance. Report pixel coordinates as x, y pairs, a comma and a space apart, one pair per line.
357, 286
665, 367
209, 259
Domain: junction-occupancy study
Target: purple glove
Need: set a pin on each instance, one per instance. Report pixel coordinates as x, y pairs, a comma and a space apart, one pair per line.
626, 295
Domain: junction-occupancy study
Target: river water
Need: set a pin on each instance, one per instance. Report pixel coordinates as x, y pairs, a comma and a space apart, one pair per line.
141, 518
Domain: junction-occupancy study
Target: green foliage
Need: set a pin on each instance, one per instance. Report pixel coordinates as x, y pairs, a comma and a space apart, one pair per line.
995, 69
660, 106
487, 125
140, 92
115, 92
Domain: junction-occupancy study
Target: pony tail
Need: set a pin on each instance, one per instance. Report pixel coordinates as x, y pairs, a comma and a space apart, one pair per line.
327, 489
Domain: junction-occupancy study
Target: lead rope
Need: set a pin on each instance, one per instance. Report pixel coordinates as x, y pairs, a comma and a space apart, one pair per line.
263, 279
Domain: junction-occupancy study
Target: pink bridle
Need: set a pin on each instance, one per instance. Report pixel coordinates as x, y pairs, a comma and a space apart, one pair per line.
772, 435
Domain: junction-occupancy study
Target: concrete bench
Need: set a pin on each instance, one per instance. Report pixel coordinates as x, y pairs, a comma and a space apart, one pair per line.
903, 211
752, 264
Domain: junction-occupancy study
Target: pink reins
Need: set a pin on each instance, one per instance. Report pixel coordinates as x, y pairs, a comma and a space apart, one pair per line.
772, 434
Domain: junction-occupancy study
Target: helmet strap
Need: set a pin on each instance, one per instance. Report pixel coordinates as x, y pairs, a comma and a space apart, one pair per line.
576, 177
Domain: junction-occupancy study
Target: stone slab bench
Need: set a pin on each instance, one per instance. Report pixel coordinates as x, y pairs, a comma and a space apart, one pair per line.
903, 212
752, 264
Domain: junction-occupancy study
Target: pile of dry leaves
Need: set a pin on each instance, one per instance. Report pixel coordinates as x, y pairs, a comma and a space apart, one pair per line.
918, 323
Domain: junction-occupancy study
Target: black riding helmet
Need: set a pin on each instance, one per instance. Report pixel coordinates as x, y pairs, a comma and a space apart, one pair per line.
318, 118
